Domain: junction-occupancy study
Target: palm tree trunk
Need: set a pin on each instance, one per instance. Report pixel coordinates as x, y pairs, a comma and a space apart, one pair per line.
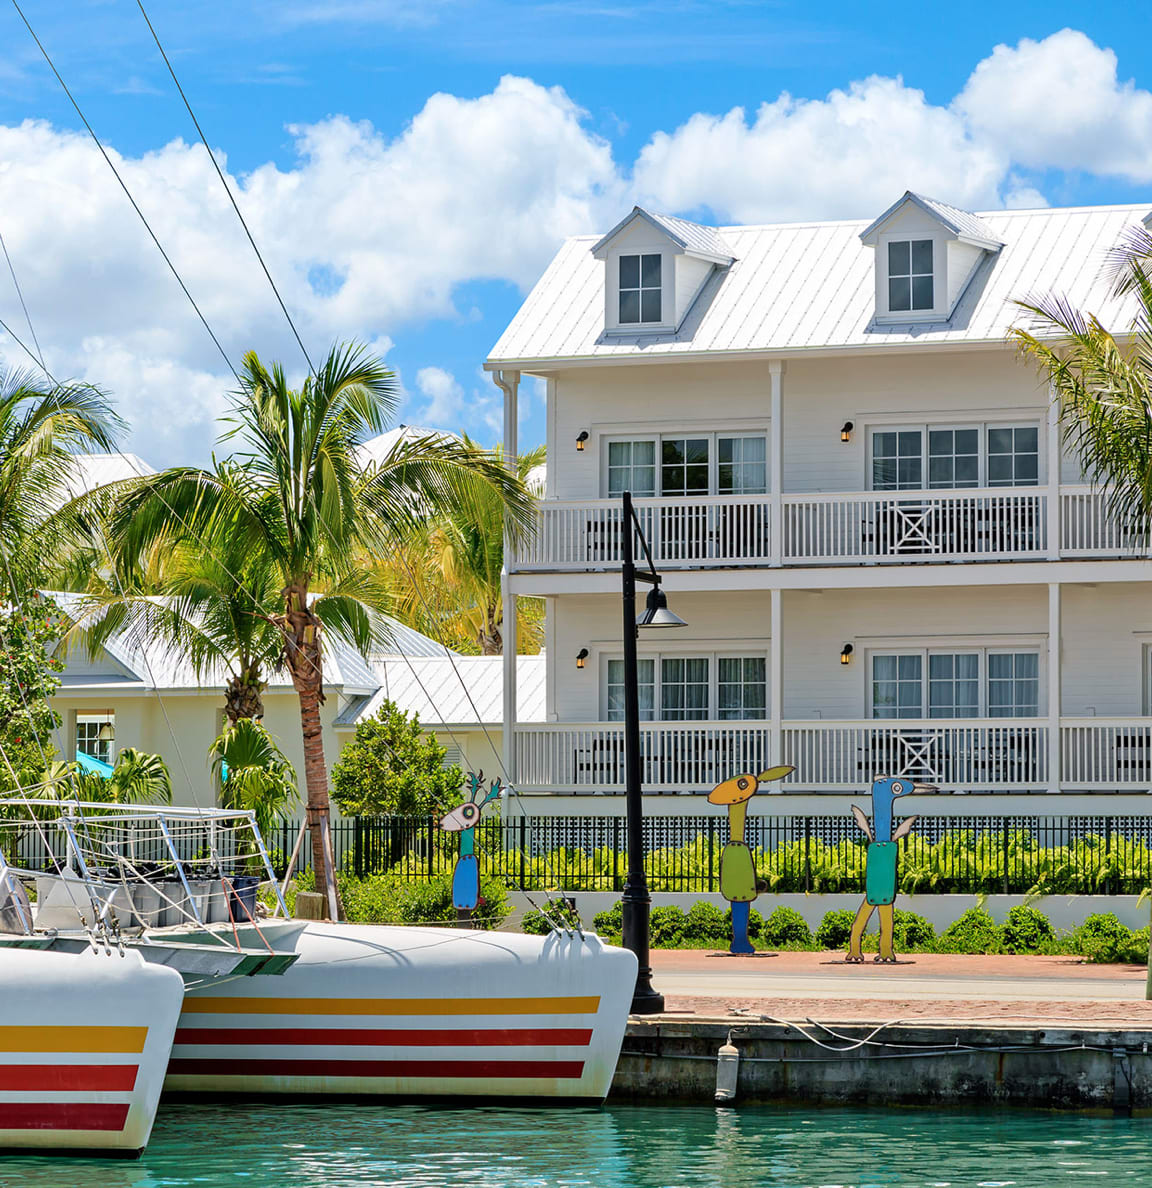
303, 656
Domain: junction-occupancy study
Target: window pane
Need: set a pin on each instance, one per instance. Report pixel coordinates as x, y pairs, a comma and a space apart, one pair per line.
644, 453
921, 255
899, 258
650, 306
967, 441
629, 305
922, 292
967, 472
999, 441
650, 275
672, 452
696, 449
899, 293
1026, 441
629, 272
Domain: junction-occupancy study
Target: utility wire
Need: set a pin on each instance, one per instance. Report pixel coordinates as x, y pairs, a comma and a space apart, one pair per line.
227, 188
127, 192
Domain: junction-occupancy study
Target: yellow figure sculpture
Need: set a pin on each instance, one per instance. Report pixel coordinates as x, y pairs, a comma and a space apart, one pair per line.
880, 864
737, 870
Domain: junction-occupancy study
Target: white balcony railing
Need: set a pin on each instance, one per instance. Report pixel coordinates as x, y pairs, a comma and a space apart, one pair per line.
1112, 753
1087, 530
974, 525
971, 755
718, 530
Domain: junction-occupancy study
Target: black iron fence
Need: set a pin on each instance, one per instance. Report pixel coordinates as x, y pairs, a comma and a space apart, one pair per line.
1082, 855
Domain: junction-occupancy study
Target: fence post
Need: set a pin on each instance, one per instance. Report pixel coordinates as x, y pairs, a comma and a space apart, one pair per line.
711, 854
616, 854
1108, 888
807, 853
431, 846
1004, 842
523, 844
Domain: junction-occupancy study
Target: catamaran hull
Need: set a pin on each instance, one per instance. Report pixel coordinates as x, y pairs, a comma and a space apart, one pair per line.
84, 1045
413, 1012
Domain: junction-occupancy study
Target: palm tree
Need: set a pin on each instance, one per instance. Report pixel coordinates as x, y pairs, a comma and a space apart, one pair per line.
41, 428
253, 774
447, 582
1103, 383
299, 501
137, 777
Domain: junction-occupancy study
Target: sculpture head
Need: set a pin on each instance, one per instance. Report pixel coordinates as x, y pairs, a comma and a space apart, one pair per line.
467, 815
743, 787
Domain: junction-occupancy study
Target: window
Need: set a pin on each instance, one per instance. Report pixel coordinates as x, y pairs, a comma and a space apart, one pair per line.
910, 275
632, 467
954, 457
640, 288
691, 688
700, 464
1014, 457
741, 688
96, 736
954, 688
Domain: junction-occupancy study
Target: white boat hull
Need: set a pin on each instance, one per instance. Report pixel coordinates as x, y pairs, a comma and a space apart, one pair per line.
412, 1012
84, 1043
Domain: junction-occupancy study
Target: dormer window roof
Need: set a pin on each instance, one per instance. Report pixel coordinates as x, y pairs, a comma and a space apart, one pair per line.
927, 253
655, 268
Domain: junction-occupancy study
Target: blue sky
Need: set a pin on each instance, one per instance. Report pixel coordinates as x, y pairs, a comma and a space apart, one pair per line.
410, 167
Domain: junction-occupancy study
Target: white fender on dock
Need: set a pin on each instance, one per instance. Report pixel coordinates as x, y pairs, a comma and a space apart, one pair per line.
411, 1012
84, 1044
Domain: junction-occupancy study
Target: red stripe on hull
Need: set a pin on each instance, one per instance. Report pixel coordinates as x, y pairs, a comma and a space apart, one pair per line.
66, 1078
383, 1037
68, 1115
447, 1069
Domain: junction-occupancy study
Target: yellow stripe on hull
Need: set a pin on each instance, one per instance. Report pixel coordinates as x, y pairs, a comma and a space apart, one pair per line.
212, 1005
72, 1039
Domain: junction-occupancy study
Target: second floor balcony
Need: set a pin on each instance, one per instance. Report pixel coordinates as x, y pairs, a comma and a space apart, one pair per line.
835, 528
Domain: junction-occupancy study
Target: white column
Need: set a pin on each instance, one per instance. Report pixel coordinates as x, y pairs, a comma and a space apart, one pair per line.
1054, 457
776, 463
776, 678
1054, 773
509, 383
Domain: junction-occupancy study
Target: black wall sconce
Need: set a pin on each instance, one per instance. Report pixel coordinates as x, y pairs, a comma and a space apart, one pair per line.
846, 653
846, 431
581, 440
581, 656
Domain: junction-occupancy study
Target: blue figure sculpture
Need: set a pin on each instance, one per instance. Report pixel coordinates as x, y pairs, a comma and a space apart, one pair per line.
463, 820
880, 864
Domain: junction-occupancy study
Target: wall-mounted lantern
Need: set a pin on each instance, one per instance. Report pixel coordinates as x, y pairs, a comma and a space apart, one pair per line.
581, 656
846, 431
846, 654
581, 440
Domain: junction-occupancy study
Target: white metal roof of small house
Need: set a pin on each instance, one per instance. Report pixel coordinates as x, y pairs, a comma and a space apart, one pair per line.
961, 222
693, 237
376, 449
89, 471
797, 287
442, 691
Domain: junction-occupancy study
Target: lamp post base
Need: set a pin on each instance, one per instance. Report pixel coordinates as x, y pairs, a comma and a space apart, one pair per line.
646, 1001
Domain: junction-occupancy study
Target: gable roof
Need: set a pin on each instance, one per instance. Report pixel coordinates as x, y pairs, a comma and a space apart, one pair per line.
694, 238
794, 288
376, 449
962, 223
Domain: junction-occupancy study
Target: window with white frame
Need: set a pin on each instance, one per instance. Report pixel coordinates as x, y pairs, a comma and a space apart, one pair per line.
640, 288
955, 683
689, 464
96, 736
691, 688
910, 281
953, 457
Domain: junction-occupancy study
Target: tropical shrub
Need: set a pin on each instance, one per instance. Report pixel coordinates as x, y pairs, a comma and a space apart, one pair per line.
667, 927
785, 926
388, 899
1026, 930
974, 932
912, 933
611, 922
1102, 937
835, 929
707, 924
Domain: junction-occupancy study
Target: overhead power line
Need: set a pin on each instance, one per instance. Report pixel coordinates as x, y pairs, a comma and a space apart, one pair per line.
227, 187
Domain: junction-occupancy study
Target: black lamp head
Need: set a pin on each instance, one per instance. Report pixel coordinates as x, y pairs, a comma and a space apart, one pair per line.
846, 431
657, 614
846, 653
581, 439
581, 656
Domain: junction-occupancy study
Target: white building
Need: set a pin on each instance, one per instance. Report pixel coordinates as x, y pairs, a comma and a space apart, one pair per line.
858, 498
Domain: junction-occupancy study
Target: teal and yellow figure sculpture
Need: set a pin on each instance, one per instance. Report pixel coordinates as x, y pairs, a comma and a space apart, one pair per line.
738, 882
463, 820
880, 864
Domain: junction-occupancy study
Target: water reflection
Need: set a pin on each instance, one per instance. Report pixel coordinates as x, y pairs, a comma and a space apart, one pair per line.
334, 1145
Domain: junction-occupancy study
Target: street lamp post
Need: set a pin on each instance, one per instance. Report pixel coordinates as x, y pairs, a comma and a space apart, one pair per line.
636, 901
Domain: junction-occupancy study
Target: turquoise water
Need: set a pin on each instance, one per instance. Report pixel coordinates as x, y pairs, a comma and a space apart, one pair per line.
335, 1145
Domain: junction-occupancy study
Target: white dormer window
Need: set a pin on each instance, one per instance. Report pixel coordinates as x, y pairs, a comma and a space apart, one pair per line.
910, 275
640, 288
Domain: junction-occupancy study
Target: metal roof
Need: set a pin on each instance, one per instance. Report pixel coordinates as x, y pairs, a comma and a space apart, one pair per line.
797, 287
960, 222
464, 692
692, 237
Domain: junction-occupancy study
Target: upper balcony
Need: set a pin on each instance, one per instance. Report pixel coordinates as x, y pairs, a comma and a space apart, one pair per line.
832, 528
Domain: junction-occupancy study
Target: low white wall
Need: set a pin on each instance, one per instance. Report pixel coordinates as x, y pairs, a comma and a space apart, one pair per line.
1064, 911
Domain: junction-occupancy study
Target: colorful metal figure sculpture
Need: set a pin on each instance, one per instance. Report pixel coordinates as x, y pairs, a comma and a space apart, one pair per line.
738, 882
463, 820
880, 864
